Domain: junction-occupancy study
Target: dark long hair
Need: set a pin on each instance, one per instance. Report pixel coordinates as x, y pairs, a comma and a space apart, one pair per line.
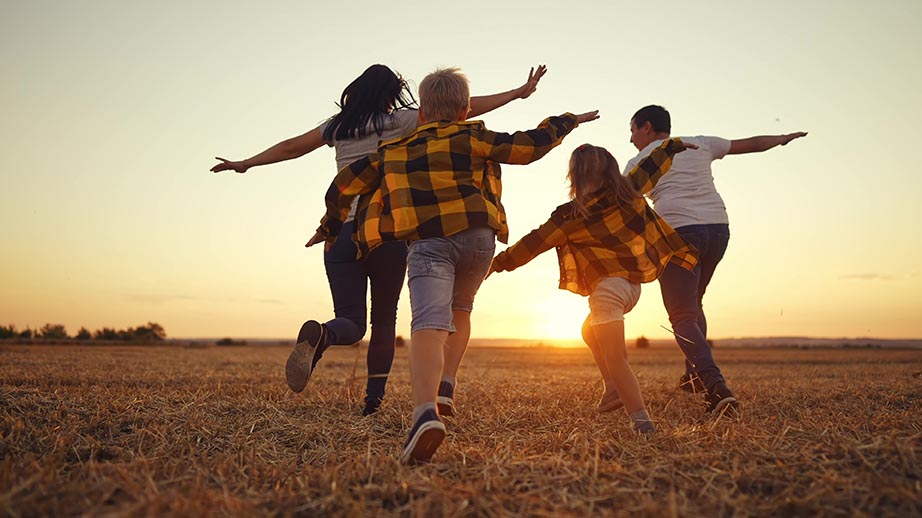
592, 169
367, 101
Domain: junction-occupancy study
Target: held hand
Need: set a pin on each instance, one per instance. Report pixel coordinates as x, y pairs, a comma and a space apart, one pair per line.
317, 238
493, 268
226, 165
532, 84
588, 116
791, 136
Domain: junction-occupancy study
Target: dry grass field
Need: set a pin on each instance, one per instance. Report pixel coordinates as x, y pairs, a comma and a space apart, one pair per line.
212, 431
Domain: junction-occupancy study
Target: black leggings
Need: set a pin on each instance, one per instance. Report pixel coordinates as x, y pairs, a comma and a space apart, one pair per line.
386, 268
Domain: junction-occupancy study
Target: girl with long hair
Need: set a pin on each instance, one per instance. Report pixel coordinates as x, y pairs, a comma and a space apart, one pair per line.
608, 242
377, 106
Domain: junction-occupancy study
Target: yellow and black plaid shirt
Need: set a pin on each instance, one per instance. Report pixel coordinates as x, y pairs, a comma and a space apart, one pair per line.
630, 241
435, 182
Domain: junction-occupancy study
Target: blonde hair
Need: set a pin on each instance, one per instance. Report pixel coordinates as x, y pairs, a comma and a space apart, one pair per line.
593, 168
443, 94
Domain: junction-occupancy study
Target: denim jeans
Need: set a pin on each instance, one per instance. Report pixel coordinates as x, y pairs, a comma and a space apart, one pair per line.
445, 274
385, 267
683, 292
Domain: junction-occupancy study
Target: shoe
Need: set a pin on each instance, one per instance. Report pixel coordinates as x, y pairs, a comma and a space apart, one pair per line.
303, 358
372, 404
644, 427
610, 402
445, 402
427, 434
691, 383
720, 399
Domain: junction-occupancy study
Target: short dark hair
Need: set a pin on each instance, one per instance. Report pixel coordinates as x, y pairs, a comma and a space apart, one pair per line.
656, 115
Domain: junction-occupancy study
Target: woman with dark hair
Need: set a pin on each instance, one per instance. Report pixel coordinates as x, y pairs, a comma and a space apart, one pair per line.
377, 106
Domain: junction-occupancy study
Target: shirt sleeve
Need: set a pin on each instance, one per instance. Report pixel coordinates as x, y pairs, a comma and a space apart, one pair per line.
323, 129
358, 178
535, 243
408, 120
651, 168
523, 147
718, 147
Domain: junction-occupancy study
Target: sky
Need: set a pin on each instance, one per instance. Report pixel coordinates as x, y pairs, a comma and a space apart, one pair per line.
113, 112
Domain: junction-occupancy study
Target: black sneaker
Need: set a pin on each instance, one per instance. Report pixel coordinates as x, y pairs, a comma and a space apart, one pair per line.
311, 342
720, 399
445, 402
372, 404
691, 383
427, 434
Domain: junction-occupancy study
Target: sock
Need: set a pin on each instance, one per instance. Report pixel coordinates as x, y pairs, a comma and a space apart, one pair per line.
447, 386
642, 422
418, 411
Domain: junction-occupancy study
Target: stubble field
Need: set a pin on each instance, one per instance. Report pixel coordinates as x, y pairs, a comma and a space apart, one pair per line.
170, 431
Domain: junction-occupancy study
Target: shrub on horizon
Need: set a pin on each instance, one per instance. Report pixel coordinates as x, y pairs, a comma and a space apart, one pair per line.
230, 341
642, 342
53, 331
8, 331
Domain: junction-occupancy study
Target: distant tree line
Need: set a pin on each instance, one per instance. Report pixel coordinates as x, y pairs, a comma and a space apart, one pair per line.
151, 332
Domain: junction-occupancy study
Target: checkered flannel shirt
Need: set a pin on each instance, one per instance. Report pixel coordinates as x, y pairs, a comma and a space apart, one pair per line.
629, 241
435, 182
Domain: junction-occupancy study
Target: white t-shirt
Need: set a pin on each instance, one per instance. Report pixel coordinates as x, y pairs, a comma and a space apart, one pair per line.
686, 195
397, 124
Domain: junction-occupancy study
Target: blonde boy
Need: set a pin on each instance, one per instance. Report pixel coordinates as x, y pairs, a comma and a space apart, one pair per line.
438, 188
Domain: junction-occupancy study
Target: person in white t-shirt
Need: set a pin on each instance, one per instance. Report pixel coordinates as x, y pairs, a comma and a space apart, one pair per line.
377, 106
687, 199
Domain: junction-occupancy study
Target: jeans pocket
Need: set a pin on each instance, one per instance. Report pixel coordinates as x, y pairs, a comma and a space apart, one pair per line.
486, 243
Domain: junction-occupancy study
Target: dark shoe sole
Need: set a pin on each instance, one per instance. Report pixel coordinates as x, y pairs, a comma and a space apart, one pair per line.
423, 444
298, 367
445, 406
726, 405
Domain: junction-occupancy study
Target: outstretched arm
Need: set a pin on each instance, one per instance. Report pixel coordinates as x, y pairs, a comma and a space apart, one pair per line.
761, 143
487, 103
525, 147
535, 243
284, 150
648, 171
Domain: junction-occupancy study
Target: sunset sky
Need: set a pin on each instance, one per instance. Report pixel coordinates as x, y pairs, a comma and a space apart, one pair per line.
112, 113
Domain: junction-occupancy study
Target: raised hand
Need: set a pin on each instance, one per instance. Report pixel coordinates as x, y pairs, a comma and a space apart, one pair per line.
791, 136
532, 84
588, 116
229, 165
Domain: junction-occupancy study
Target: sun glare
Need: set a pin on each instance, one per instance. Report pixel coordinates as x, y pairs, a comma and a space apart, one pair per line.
561, 318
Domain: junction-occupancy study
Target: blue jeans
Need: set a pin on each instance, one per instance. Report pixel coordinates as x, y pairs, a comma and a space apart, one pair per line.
683, 291
386, 268
445, 274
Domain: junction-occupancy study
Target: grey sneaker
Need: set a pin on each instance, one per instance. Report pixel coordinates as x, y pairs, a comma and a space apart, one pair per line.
644, 427
303, 358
